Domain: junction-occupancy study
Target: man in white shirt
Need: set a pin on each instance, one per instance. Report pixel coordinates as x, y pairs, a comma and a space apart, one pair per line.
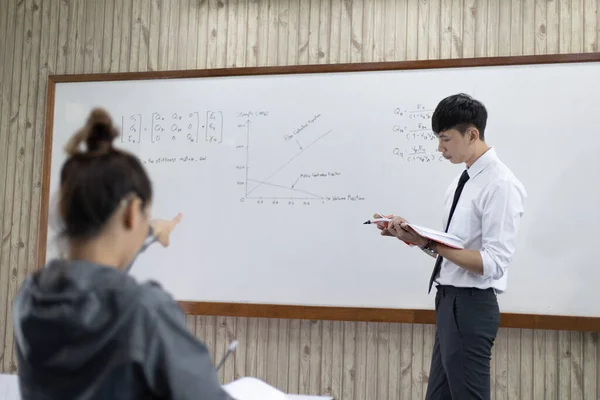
484, 207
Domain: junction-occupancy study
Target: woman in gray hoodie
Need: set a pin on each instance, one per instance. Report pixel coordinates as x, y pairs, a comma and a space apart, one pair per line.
85, 329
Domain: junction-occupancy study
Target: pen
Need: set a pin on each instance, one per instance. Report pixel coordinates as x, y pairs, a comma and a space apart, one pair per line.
230, 349
377, 220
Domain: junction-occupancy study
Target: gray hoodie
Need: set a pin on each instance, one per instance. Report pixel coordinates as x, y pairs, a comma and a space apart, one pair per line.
86, 332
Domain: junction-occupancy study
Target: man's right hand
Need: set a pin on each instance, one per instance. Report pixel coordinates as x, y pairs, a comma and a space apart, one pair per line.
383, 226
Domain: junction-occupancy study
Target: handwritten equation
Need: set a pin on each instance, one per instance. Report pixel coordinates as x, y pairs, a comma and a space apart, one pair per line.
414, 139
157, 127
417, 153
420, 112
419, 132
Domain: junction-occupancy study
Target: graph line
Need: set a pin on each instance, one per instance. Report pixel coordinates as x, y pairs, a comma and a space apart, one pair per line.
316, 196
265, 181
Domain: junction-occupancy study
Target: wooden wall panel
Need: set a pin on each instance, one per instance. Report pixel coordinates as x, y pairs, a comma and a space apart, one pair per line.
349, 360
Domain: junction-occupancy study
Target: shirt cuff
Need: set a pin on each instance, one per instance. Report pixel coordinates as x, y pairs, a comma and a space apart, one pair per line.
488, 264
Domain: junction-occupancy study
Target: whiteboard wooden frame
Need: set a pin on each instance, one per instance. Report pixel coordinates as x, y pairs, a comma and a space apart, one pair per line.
507, 320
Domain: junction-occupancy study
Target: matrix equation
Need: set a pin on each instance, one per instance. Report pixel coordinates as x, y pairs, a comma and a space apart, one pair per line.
157, 127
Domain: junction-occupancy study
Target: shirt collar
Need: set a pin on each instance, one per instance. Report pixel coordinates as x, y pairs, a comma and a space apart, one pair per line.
483, 161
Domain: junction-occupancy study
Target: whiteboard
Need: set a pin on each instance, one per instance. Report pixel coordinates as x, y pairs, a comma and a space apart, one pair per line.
276, 173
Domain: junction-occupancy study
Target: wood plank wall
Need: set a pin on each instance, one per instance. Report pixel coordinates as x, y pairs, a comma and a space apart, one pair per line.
345, 359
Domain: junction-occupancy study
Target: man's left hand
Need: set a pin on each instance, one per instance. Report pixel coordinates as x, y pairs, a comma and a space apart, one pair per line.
399, 228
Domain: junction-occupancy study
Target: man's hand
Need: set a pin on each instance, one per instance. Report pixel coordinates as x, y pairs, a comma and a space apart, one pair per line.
382, 226
399, 228
162, 228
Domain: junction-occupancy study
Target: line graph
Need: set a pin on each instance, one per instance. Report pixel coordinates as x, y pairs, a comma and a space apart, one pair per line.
266, 180
257, 187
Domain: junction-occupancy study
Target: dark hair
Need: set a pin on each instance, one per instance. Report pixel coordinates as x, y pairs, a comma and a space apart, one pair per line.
93, 182
460, 112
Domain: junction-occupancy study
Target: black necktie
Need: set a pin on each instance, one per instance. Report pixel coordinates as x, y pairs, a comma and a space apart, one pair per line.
438, 263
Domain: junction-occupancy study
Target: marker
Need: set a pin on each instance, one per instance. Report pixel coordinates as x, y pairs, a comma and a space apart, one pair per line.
230, 350
377, 220
383, 219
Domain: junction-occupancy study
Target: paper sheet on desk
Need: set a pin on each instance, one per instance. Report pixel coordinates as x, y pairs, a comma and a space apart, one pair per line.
249, 388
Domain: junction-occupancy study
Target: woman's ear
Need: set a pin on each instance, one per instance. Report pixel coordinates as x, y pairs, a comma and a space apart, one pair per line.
132, 213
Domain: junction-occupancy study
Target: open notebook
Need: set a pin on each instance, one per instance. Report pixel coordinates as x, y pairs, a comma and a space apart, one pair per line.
249, 388
438, 236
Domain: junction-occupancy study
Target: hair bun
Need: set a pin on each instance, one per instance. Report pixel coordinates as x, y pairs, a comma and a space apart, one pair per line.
98, 135
101, 132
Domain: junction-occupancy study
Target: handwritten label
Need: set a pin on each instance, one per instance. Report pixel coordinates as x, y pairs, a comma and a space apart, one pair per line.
249, 114
173, 160
320, 175
348, 197
302, 127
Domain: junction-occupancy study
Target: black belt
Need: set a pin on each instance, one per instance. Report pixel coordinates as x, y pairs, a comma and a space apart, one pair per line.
448, 289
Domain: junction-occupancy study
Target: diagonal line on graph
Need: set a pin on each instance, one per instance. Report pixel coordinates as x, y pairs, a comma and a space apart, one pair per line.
286, 164
286, 187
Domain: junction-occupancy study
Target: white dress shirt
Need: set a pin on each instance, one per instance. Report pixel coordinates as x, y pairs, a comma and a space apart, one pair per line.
487, 218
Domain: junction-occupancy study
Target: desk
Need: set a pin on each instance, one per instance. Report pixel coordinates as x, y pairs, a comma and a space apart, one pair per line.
9, 390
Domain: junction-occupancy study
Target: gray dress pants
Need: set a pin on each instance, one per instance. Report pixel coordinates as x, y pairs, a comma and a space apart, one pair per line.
467, 321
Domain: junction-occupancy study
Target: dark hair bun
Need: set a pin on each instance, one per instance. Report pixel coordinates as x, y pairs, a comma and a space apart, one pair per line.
101, 132
96, 178
98, 135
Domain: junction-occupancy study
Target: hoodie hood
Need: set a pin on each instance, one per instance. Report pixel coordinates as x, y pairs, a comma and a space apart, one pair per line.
65, 314
89, 332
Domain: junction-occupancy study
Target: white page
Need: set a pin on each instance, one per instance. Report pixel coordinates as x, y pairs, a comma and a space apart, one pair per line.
249, 388
9, 387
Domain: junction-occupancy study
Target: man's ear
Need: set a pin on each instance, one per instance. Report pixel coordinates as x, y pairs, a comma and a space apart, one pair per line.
474, 134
